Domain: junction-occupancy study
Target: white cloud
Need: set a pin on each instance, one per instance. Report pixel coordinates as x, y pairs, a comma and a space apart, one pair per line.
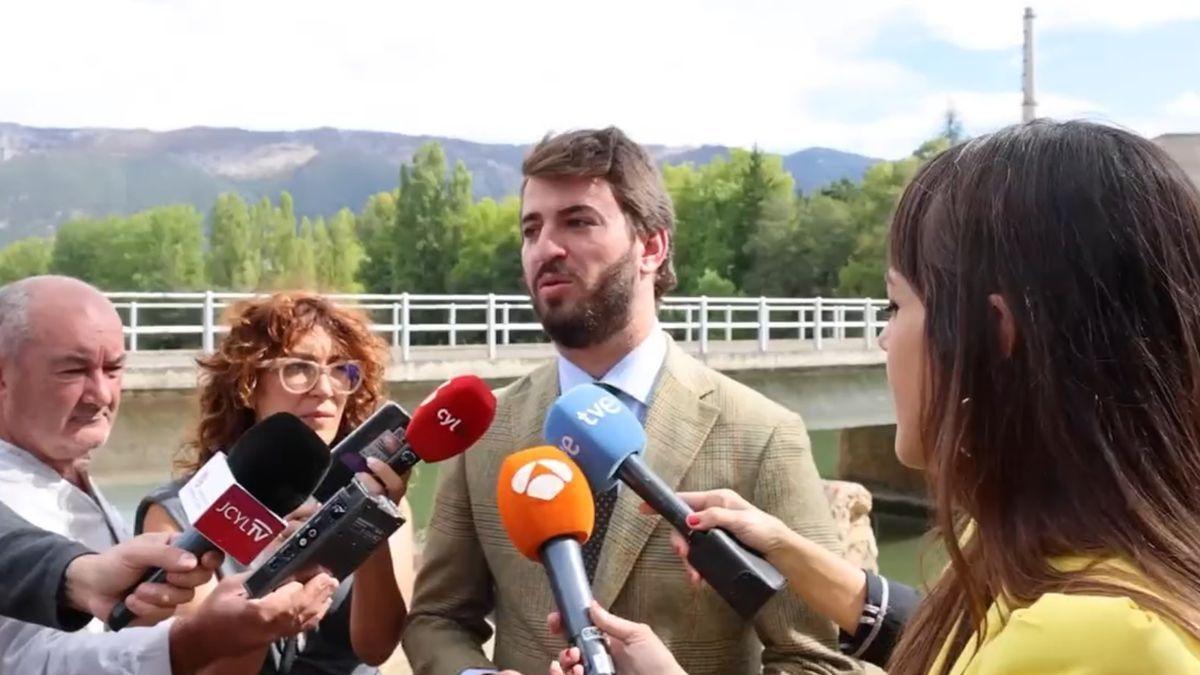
903, 126
1185, 105
996, 24
669, 71
1181, 114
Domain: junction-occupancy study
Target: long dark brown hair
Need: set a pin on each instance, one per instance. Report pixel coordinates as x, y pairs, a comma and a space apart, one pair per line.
1085, 439
265, 328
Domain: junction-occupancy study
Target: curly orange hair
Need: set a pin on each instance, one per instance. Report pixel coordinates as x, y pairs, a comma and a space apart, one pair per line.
266, 328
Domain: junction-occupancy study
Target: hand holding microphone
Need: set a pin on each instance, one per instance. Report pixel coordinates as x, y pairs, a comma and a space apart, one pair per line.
381, 479
450, 420
636, 649
829, 584
729, 511
353, 522
270, 470
606, 440
548, 511
96, 582
447, 422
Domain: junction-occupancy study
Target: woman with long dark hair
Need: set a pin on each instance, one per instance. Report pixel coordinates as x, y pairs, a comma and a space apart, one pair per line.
1044, 358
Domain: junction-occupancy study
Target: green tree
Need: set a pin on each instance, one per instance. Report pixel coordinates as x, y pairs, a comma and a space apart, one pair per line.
157, 249
302, 263
842, 189
25, 258
343, 252
719, 207
489, 258
872, 212
763, 197
262, 227
375, 228
419, 251
279, 241
81, 251
235, 253
802, 256
711, 283
168, 249
952, 127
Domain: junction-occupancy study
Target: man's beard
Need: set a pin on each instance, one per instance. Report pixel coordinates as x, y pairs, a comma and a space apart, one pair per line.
596, 317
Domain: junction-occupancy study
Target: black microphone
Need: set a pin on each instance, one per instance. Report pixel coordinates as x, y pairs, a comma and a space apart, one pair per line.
276, 464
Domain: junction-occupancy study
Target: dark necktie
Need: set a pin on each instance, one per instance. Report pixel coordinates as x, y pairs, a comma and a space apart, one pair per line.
591, 548
605, 502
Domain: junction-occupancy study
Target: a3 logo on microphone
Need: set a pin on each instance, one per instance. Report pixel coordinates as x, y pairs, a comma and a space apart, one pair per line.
542, 479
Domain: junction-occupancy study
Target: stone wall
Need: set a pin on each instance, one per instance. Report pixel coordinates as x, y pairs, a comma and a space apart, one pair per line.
851, 507
867, 455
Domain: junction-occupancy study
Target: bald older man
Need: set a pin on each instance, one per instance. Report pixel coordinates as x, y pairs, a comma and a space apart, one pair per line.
61, 359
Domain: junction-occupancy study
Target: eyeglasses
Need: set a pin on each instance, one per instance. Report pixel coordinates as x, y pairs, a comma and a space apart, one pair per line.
299, 376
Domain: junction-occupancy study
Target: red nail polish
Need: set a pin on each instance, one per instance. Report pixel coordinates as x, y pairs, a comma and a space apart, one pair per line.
693, 520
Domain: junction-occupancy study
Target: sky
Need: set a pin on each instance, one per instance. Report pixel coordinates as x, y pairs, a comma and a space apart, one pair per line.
867, 76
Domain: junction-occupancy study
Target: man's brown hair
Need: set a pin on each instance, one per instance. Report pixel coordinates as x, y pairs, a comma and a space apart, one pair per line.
628, 168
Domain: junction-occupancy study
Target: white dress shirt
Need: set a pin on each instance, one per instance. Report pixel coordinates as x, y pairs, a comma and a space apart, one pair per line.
633, 376
38, 494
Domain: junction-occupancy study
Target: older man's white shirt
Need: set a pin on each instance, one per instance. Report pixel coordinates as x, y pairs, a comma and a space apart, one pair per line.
42, 497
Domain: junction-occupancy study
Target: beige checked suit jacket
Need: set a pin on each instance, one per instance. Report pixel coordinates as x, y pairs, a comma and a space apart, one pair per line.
704, 431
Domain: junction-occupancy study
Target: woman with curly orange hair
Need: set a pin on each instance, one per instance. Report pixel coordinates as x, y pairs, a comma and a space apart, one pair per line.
298, 353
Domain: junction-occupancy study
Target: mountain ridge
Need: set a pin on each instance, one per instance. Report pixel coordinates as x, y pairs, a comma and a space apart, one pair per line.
50, 174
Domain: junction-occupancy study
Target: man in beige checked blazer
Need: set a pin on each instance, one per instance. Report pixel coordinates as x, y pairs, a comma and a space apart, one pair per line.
596, 225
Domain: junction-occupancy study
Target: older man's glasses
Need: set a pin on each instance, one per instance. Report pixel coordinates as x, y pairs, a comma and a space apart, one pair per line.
299, 376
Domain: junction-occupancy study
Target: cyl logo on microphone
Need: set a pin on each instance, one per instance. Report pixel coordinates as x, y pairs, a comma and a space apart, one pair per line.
239, 524
253, 527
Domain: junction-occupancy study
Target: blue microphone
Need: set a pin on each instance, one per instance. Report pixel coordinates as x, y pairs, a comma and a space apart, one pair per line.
606, 440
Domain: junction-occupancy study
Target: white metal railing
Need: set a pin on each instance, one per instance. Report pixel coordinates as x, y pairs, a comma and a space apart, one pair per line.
495, 319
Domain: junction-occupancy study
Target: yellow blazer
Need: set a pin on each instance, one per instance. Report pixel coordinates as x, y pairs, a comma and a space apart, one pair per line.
705, 431
1064, 634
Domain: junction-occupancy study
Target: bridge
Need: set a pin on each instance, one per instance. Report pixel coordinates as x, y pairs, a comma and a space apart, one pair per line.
495, 336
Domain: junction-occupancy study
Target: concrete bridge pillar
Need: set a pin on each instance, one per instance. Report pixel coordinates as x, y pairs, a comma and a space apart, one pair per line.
867, 455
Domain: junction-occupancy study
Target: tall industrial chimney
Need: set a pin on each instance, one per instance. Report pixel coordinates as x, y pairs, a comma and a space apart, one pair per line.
1028, 105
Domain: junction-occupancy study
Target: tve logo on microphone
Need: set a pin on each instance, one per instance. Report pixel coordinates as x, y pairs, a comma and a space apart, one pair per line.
226, 514
591, 415
598, 410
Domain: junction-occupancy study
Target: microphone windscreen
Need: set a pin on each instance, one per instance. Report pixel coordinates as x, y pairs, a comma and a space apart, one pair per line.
591, 425
451, 419
279, 461
542, 495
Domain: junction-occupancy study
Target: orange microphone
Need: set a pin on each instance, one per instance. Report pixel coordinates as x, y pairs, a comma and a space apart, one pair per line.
548, 511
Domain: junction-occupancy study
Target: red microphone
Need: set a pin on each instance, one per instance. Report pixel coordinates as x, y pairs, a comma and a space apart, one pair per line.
448, 421
451, 419
351, 524
234, 503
